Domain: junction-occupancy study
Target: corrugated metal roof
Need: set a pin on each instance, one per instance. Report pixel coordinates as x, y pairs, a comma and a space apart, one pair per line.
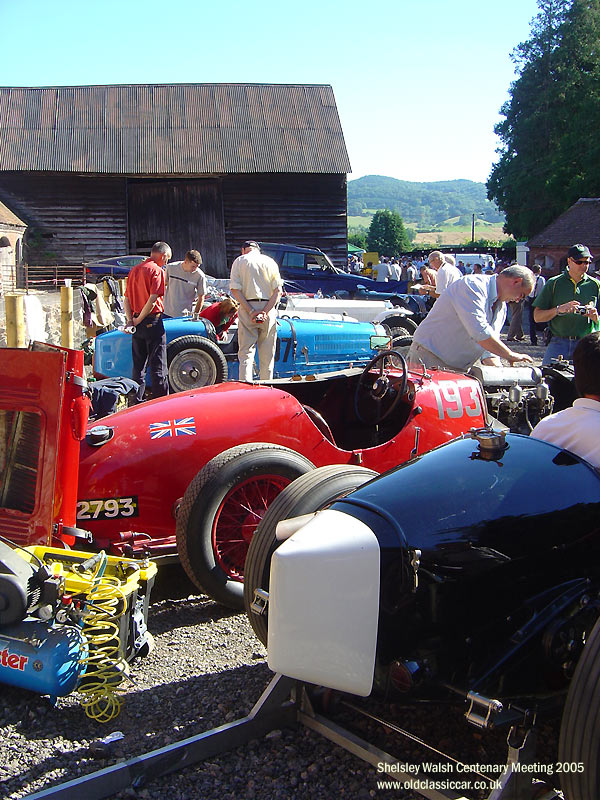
175, 129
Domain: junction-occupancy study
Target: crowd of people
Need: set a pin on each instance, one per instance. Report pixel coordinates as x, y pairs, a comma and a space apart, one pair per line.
159, 288
407, 268
463, 326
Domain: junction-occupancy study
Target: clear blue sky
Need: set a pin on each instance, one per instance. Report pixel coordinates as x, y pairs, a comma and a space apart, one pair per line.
418, 83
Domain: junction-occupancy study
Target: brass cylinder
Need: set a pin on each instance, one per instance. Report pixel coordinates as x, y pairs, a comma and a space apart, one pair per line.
15, 320
66, 317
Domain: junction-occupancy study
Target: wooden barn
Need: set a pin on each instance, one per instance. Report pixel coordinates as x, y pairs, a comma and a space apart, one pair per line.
578, 224
97, 171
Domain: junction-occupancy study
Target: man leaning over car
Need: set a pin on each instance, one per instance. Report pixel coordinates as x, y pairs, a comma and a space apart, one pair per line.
464, 324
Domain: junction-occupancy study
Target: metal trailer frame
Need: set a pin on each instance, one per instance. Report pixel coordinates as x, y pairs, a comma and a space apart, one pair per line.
286, 703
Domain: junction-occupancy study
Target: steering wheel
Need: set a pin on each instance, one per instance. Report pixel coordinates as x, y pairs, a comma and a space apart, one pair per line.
380, 392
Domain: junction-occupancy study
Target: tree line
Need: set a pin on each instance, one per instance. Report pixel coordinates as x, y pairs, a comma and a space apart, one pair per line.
422, 204
549, 156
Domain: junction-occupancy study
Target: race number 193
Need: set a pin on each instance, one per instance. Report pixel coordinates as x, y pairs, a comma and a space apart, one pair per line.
455, 399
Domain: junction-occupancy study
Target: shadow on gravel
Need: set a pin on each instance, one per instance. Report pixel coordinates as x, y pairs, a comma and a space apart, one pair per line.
150, 719
190, 611
172, 583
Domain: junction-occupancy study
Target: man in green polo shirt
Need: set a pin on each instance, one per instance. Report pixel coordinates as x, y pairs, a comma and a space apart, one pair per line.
569, 303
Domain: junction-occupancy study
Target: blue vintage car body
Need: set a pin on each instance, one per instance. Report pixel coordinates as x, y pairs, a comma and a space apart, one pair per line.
304, 346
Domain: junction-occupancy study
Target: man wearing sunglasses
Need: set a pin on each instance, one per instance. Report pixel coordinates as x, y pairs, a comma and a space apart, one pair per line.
569, 304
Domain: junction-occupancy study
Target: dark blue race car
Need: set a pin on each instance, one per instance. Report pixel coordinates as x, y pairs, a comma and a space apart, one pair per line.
115, 267
308, 269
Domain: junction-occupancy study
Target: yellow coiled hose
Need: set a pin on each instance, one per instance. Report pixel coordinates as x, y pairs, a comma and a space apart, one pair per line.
105, 668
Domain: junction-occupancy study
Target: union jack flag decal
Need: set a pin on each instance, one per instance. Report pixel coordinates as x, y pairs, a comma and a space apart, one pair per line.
173, 427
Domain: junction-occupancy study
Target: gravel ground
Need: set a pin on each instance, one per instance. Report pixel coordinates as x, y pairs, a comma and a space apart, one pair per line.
208, 669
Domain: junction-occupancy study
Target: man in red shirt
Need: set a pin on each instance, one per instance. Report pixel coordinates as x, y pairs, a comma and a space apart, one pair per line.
143, 309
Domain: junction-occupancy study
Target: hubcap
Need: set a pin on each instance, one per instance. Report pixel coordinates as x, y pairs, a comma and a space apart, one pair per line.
237, 518
191, 369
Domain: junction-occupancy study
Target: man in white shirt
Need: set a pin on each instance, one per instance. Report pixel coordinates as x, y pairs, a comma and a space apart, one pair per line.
447, 272
578, 428
382, 271
465, 322
395, 270
256, 284
185, 286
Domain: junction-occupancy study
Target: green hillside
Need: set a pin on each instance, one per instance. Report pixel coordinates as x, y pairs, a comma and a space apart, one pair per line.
421, 205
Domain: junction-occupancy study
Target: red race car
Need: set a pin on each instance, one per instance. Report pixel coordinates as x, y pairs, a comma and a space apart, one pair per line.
192, 474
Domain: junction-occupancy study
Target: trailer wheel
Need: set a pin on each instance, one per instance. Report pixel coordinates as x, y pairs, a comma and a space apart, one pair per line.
305, 495
222, 507
194, 361
579, 743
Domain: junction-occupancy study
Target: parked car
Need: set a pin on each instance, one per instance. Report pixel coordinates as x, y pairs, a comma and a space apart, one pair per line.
400, 318
196, 357
308, 269
193, 473
114, 267
449, 579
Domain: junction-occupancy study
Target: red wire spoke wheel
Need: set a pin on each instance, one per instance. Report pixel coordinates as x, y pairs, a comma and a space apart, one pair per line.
222, 507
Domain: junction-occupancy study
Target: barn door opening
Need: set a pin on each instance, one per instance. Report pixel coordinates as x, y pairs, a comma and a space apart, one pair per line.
187, 214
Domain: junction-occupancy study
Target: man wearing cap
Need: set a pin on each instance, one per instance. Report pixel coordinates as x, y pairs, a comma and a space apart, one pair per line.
256, 284
569, 303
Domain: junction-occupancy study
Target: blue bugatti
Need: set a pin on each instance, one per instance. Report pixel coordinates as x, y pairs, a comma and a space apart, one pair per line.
196, 357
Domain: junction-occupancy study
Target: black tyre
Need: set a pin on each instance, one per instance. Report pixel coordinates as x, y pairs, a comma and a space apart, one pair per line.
400, 326
401, 344
101, 278
194, 361
222, 507
305, 495
579, 744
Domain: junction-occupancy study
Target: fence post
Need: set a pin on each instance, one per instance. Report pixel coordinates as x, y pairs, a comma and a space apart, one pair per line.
66, 316
15, 320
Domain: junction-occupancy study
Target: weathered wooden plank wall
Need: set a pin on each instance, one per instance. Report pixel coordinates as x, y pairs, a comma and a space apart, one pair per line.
70, 218
292, 208
74, 218
188, 214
